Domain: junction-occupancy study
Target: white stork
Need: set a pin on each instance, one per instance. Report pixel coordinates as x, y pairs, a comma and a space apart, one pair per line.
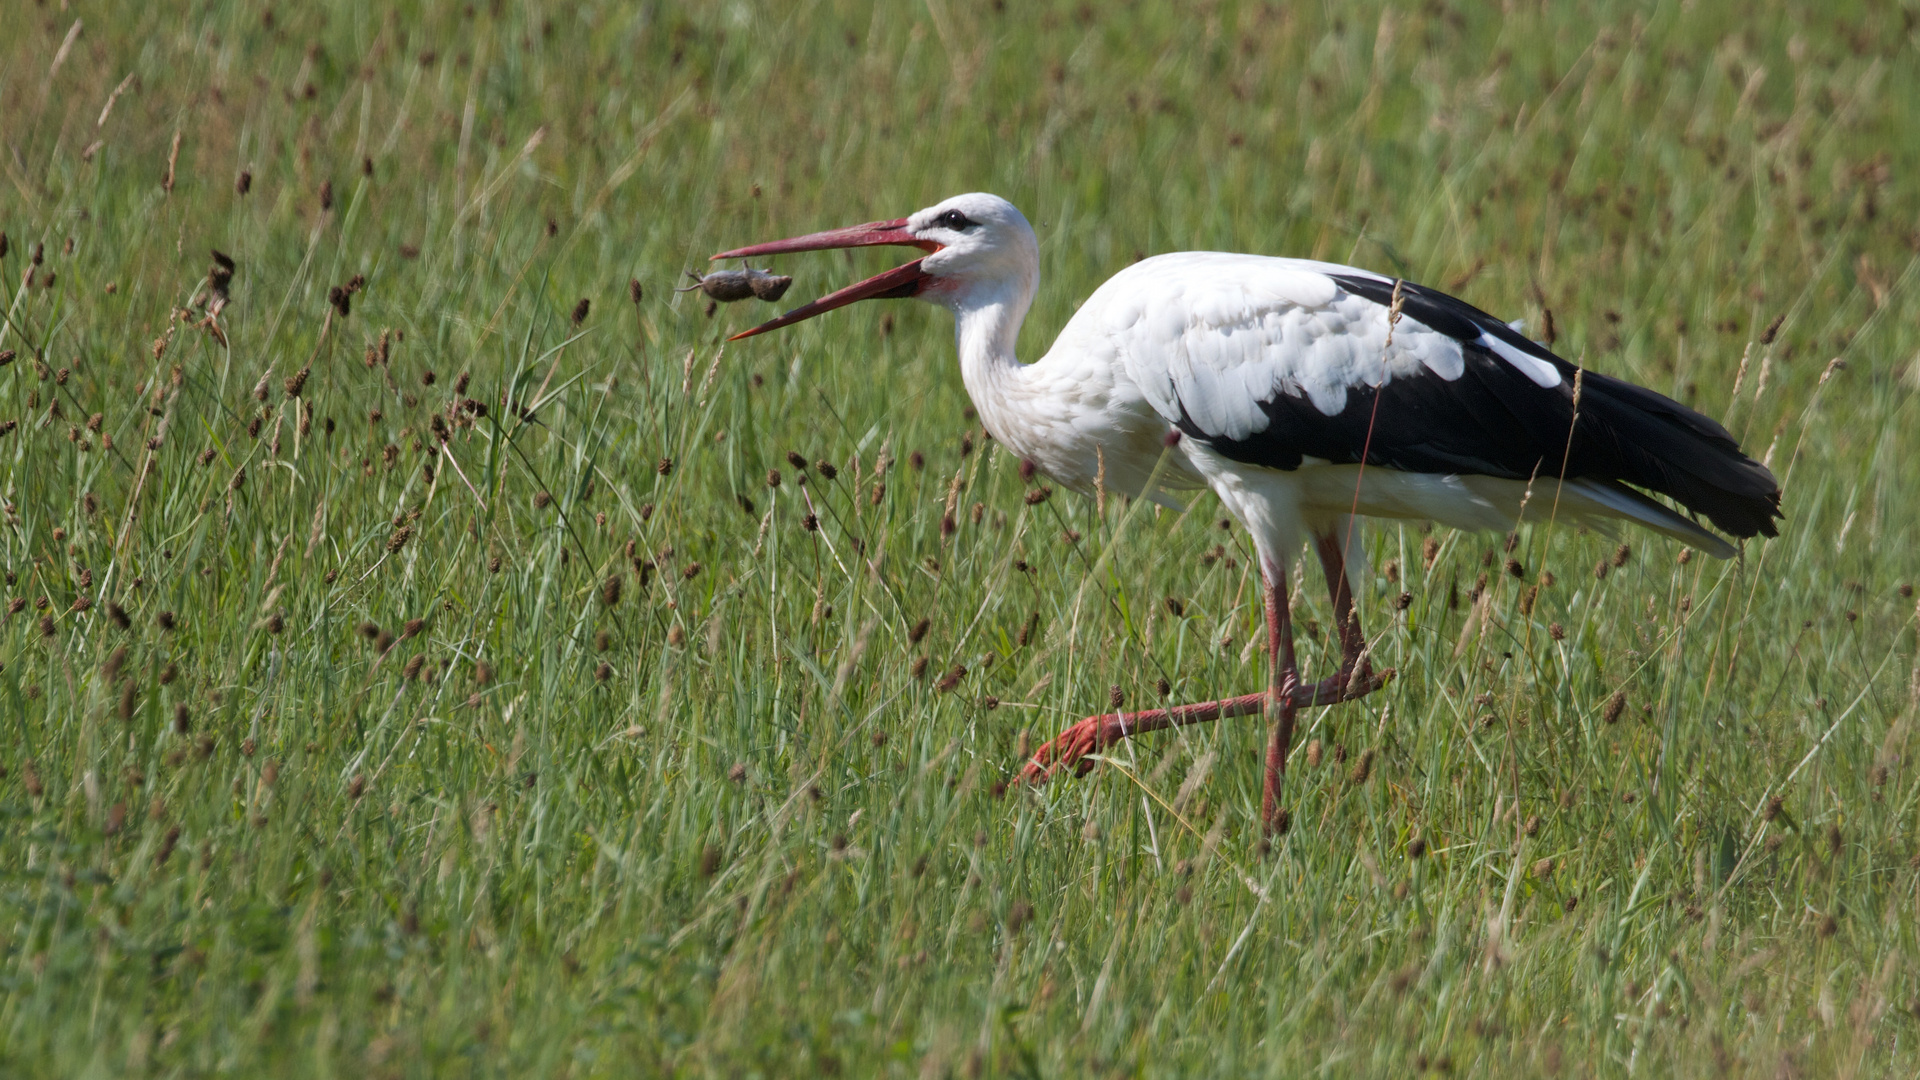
1301, 393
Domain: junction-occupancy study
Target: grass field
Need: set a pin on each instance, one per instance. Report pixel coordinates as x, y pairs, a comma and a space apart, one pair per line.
434, 683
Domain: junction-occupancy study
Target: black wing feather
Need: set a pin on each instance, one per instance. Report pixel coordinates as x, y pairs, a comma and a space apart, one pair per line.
1496, 421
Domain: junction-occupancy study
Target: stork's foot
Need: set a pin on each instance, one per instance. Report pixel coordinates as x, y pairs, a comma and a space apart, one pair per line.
1096, 733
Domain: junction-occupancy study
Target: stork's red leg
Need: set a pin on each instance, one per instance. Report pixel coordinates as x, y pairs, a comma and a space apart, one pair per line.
1353, 643
1356, 679
1283, 678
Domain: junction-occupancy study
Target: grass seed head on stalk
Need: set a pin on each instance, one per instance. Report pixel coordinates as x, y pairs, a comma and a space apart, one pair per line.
580, 311
1621, 554
1616, 705
826, 469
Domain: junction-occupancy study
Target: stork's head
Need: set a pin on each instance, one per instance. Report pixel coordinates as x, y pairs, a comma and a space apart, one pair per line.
979, 246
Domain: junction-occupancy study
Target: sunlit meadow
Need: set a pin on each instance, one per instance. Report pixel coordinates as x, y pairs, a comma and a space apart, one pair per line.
430, 652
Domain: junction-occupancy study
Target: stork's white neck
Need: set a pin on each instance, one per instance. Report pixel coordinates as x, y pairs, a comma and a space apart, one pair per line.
986, 319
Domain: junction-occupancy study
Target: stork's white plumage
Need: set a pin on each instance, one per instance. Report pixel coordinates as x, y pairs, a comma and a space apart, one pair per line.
1301, 393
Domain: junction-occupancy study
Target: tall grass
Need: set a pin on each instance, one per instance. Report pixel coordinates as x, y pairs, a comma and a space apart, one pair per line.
431, 680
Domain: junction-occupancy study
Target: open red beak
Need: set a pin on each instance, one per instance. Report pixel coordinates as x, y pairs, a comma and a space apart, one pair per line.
897, 283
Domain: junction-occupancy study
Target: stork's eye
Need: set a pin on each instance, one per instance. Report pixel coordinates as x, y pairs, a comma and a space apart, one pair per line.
955, 220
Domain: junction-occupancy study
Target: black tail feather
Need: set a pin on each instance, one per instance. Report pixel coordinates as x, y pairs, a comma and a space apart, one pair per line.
1659, 444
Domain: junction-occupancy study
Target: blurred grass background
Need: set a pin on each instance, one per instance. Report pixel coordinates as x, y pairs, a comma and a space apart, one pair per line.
429, 682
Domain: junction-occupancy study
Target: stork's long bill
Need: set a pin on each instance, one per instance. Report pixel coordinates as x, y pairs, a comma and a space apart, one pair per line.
895, 284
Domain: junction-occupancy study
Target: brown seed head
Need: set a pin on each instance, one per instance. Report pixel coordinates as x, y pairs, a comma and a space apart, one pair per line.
580, 311
1115, 696
826, 469
1621, 554
1775, 804
1417, 847
1616, 705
